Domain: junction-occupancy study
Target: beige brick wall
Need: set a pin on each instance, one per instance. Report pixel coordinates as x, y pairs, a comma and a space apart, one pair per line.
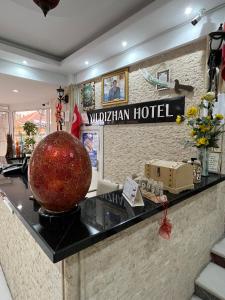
127, 147
29, 272
136, 264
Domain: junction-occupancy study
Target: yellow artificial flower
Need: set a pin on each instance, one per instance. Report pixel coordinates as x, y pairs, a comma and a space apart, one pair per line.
193, 133
179, 119
210, 96
202, 142
204, 128
192, 111
219, 116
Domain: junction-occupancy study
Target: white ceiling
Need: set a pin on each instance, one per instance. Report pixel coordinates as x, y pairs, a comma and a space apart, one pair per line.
29, 91
71, 25
86, 30
80, 30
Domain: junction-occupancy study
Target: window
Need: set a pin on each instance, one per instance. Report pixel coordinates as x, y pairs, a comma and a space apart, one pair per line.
38, 117
4, 130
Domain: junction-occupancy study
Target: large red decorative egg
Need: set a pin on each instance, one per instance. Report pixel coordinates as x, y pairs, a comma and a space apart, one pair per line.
59, 172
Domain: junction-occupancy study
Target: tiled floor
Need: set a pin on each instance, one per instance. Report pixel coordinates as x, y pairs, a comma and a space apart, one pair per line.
4, 290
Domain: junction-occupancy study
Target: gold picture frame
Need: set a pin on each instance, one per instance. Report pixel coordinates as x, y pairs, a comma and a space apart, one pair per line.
115, 88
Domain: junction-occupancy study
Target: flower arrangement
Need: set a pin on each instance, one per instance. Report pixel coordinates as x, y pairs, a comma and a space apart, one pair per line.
204, 127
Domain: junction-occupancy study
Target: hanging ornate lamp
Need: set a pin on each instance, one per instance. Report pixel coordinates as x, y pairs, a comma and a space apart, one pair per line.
46, 5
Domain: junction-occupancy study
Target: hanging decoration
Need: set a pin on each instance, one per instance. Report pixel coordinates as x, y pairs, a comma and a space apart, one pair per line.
165, 228
46, 5
216, 39
77, 122
223, 57
58, 115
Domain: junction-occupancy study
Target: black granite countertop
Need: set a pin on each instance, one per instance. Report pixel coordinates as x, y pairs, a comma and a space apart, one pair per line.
101, 216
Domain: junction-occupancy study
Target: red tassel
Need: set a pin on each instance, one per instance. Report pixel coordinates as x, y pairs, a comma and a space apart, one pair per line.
165, 229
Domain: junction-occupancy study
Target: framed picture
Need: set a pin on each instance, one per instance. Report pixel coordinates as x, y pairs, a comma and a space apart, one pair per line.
215, 162
88, 96
164, 77
115, 88
90, 141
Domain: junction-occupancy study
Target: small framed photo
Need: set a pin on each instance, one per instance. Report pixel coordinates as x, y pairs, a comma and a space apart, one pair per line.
215, 162
115, 88
164, 79
88, 96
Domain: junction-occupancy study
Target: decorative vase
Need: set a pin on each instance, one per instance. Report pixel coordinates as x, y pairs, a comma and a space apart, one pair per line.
204, 159
59, 172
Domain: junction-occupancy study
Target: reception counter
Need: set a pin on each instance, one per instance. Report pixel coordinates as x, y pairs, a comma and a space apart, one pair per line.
114, 251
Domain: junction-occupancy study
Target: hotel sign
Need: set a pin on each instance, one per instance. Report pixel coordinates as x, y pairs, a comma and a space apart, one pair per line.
165, 110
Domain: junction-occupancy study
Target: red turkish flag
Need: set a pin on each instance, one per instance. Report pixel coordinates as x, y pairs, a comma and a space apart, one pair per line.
77, 122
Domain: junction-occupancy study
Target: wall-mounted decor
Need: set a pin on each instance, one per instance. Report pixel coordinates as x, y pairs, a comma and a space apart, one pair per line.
88, 96
115, 88
155, 81
164, 110
163, 81
163, 77
179, 88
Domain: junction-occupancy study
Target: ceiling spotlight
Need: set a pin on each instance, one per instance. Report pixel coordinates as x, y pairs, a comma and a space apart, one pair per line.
15, 91
188, 10
24, 62
86, 62
124, 43
198, 17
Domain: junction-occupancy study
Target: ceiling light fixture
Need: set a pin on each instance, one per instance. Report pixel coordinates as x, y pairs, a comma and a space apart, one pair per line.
24, 62
188, 10
124, 43
46, 5
15, 91
86, 62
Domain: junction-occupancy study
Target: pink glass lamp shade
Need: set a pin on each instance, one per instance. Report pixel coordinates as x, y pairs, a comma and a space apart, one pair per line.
59, 172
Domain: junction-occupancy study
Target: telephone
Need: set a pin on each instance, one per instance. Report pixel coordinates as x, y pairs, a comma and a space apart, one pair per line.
16, 169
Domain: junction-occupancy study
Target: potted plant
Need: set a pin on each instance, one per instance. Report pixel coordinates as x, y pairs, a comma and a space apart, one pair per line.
31, 130
205, 128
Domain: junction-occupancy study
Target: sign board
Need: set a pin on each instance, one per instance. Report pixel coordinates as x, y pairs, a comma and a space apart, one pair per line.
132, 193
165, 110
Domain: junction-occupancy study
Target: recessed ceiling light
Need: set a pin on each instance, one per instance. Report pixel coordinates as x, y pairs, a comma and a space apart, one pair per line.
86, 62
15, 91
24, 62
188, 10
124, 43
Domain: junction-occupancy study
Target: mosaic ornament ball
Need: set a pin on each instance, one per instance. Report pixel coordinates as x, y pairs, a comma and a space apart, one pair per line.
59, 172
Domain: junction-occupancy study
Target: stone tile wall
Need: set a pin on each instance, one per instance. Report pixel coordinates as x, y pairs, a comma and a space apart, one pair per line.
128, 147
137, 264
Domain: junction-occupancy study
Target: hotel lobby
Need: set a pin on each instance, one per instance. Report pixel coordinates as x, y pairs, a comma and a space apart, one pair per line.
112, 150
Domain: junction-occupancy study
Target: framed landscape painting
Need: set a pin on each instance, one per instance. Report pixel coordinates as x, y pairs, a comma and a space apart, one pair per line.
115, 88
